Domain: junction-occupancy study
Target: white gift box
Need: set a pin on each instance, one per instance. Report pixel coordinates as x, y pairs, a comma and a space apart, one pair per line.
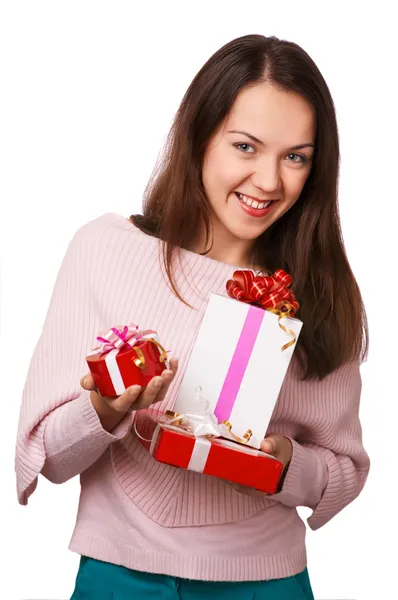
238, 362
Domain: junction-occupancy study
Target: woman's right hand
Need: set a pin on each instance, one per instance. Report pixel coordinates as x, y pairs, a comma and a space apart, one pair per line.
111, 410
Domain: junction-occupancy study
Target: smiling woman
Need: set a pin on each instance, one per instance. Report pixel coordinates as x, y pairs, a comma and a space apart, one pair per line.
248, 179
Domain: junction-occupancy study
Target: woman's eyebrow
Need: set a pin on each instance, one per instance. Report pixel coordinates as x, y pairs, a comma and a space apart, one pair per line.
252, 137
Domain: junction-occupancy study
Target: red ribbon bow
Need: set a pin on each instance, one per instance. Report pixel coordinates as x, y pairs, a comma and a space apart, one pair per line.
265, 291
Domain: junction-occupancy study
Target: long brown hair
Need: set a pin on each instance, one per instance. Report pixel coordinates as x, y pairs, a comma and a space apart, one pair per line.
307, 240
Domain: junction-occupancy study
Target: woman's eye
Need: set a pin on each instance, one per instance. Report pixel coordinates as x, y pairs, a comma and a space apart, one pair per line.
244, 147
297, 158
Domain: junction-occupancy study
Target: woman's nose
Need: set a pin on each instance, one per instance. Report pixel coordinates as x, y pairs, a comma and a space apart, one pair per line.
267, 176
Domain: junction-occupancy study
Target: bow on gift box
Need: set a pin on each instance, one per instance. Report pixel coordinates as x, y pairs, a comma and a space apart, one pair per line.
205, 426
269, 292
199, 421
128, 337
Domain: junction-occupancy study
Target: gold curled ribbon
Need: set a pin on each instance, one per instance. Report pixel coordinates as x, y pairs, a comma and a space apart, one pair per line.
246, 436
162, 351
175, 417
178, 421
140, 361
282, 310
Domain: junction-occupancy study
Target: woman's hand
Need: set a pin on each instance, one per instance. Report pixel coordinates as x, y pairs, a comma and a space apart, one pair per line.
281, 448
111, 410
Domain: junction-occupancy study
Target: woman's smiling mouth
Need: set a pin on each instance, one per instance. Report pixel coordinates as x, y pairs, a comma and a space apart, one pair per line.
254, 208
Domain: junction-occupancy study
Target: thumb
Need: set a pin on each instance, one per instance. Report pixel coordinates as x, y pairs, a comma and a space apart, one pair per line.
269, 444
87, 382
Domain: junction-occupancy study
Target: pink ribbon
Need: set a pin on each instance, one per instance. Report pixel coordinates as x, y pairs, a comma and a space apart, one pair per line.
239, 362
120, 337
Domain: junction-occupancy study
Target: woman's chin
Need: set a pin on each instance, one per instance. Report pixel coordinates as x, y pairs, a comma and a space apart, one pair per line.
245, 233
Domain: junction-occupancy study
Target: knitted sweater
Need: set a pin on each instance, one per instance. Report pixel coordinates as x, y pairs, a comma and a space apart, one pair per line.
146, 515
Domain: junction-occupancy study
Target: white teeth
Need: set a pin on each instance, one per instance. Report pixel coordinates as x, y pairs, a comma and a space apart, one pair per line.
253, 203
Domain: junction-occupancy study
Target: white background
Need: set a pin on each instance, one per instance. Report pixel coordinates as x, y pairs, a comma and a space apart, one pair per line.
88, 92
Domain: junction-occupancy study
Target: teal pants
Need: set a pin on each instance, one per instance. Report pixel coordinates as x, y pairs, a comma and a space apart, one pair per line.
98, 580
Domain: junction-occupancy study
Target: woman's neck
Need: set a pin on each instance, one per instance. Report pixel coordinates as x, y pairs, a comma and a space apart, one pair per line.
228, 251
224, 247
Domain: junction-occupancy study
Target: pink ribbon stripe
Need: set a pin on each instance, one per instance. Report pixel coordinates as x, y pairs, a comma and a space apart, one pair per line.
239, 362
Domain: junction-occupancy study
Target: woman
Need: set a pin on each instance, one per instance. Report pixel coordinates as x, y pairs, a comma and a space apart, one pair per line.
248, 180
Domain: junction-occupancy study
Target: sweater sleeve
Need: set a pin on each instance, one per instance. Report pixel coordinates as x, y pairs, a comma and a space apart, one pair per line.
74, 438
329, 464
59, 432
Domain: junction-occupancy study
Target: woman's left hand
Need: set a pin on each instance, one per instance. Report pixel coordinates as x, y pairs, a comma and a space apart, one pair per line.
277, 445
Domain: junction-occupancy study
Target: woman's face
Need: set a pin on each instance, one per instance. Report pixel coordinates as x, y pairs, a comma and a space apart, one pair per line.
257, 163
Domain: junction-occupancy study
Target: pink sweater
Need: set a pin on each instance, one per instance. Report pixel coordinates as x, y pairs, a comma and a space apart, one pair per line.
146, 515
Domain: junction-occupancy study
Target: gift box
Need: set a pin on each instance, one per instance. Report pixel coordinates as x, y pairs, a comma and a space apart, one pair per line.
222, 458
126, 357
242, 352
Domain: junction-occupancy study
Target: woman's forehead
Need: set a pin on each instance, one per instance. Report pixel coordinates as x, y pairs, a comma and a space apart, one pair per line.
271, 114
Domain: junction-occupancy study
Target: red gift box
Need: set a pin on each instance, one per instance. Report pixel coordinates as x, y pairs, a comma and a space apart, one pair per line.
126, 357
215, 456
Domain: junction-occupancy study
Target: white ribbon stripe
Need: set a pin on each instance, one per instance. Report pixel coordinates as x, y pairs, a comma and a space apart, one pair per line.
199, 455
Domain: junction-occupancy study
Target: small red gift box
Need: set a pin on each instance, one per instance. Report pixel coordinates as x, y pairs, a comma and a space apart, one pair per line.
126, 357
215, 456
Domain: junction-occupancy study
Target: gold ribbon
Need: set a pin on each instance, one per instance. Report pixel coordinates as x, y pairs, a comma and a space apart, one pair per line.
282, 310
140, 361
174, 416
246, 436
178, 421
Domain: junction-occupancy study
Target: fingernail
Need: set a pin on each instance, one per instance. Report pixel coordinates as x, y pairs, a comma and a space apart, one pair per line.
85, 381
134, 390
157, 383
